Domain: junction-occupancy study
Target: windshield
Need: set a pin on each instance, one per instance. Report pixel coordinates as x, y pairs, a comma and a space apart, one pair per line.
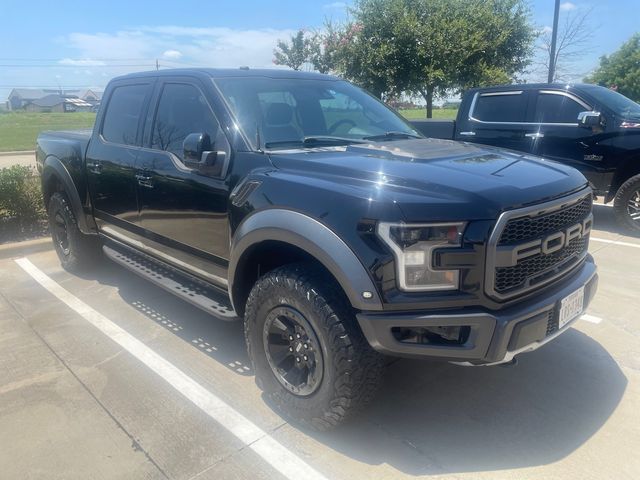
617, 102
279, 113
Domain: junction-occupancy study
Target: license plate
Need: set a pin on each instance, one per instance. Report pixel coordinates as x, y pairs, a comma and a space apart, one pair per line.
570, 307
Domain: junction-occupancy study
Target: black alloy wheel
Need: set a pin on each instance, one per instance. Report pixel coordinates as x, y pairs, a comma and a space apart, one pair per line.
293, 351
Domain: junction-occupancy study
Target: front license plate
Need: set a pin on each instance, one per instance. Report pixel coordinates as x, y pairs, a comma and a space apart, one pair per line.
570, 307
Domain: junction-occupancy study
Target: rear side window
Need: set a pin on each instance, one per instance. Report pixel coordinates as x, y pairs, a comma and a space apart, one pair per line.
556, 108
500, 107
123, 114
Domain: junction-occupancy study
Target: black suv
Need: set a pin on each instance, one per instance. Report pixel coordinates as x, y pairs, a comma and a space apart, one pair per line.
308, 209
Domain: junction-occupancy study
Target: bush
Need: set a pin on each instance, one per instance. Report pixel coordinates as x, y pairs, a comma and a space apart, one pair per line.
20, 196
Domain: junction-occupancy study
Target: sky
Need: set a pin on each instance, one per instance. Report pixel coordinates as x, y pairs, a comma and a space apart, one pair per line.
72, 44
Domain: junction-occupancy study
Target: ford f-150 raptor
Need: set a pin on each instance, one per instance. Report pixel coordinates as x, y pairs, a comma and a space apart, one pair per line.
338, 234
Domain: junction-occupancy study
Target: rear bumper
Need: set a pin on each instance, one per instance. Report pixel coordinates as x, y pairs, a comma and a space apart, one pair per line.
494, 337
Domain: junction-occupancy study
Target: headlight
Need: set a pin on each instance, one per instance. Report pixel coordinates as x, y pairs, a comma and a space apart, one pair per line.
413, 245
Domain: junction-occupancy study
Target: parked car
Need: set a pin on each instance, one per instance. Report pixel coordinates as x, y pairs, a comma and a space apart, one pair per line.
299, 204
588, 127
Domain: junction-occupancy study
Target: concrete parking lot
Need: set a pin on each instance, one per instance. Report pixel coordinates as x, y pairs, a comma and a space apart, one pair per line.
106, 376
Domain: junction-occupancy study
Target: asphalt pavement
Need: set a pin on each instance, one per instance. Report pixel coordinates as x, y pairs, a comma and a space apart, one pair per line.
103, 375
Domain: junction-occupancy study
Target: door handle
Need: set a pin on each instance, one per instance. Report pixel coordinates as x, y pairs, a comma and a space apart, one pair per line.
144, 181
534, 135
95, 167
468, 134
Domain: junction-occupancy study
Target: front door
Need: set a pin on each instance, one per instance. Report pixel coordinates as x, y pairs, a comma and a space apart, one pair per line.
112, 154
183, 211
560, 138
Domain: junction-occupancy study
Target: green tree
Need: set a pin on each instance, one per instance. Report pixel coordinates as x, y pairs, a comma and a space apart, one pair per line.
293, 53
430, 47
621, 68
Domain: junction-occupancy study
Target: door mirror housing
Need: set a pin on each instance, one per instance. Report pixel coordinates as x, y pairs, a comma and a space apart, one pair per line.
193, 146
589, 119
199, 154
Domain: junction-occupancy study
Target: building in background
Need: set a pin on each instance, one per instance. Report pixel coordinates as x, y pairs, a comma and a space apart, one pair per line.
51, 100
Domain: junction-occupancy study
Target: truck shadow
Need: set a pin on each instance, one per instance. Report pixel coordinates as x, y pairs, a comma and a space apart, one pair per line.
433, 417
436, 418
604, 220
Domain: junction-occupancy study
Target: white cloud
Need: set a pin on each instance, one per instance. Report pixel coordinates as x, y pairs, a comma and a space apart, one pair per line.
546, 29
335, 6
81, 62
215, 46
172, 54
566, 6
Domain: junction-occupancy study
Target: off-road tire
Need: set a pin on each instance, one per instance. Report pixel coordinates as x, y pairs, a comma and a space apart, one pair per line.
81, 251
621, 202
352, 369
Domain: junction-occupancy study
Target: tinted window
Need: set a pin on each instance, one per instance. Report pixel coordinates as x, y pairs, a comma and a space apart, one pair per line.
123, 113
182, 110
552, 108
283, 111
500, 108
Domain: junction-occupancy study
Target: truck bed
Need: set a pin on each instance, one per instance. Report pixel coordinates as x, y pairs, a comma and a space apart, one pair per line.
436, 128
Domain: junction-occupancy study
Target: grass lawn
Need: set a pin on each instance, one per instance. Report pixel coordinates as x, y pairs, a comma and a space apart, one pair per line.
421, 113
18, 130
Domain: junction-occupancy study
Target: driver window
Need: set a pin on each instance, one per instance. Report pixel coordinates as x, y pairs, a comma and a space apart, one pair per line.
183, 110
342, 113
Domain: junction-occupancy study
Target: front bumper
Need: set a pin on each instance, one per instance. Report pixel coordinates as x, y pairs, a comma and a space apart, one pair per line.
494, 336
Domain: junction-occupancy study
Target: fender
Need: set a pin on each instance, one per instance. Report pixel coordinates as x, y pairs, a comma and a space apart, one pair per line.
53, 167
314, 238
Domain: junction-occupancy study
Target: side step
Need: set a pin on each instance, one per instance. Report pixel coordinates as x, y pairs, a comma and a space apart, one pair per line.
183, 285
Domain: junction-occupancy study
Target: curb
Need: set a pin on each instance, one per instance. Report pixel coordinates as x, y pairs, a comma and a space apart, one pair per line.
20, 249
19, 152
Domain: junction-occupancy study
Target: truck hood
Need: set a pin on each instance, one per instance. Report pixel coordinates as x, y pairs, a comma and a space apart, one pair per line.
432, 179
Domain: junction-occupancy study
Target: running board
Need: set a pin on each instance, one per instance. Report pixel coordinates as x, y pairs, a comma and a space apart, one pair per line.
182, 285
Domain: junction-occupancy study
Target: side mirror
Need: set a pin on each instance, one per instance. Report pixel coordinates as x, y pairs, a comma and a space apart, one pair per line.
589, 119
193, 146
199, 155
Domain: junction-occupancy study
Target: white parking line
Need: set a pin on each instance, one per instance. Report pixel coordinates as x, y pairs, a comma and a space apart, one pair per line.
591, 319
274, 453
615, 242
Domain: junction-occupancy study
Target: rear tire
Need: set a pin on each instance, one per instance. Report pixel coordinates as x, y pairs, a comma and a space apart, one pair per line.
308, 353
75, 250
627, 204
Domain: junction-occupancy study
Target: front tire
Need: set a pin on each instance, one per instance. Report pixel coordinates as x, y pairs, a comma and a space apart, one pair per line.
627, 204
308, 353
75, 250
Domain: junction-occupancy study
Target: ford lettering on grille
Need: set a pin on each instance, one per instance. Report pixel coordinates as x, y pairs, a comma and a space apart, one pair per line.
510, 255
534, 246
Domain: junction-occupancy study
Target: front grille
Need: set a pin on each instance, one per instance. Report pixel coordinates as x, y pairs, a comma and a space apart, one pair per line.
520, 230
530, 224
508, 278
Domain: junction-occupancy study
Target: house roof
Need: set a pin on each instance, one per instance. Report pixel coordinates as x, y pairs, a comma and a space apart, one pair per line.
39, 93
49, 100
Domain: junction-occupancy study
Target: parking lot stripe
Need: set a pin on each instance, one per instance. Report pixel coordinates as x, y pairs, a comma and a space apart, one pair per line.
273, 452
615, 242
591, 319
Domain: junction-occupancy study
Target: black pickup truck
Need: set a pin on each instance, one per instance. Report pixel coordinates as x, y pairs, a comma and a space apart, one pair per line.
308, 209
589, 127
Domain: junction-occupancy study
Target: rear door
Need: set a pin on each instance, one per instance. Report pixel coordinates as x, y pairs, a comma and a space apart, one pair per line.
112, 154
497, 118
183, 212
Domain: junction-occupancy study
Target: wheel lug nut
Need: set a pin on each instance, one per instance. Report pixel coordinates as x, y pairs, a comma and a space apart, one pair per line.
305, 358
297, 335
298, 359
306, 346
290, 337
291, 349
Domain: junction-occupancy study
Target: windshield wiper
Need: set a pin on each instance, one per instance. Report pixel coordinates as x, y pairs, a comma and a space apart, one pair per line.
315, 141
393, 135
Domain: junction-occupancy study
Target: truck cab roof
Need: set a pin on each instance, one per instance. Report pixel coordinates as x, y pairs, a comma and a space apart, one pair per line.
231, 72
